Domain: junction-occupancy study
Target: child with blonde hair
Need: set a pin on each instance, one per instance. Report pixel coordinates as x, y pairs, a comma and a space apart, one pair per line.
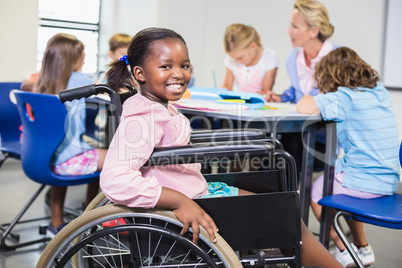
118, 45
250, 67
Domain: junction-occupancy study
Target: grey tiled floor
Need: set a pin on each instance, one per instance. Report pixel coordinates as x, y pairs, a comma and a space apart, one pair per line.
15, 188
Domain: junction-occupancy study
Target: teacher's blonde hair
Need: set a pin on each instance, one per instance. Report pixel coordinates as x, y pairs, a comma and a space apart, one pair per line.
315, 14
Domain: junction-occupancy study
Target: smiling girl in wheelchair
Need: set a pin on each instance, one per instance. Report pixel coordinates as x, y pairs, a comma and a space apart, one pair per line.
158, 60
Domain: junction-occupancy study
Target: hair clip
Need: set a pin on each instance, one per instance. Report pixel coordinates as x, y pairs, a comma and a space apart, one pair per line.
124, 58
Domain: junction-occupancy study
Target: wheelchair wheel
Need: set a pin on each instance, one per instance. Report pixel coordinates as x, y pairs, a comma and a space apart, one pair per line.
98, 201
118, 236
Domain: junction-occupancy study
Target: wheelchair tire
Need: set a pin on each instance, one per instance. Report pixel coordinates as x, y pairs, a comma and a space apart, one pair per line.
111, 246
98, 201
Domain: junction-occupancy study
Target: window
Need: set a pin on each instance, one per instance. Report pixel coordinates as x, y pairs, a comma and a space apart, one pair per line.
76, 17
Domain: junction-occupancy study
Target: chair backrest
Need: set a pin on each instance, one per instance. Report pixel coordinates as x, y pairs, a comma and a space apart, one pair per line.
44, 127
400, 154
9, 120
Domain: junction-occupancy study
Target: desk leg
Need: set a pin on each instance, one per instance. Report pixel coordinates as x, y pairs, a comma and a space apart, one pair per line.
306, 173
329, 168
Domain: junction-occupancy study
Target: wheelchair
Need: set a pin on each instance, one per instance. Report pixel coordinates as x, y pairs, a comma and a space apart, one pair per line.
251, 226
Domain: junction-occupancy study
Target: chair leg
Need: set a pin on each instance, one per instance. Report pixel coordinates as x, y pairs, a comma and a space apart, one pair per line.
16, 220
3, 157
344, 239
298, 256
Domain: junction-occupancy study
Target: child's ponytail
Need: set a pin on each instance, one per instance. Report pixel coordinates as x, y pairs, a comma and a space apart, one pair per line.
119, 75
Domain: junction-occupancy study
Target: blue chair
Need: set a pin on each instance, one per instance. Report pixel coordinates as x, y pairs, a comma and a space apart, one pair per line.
191, 83
9, 123
43, 131
383, 211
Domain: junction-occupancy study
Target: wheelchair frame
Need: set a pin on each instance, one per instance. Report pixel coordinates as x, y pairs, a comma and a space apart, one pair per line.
242, 228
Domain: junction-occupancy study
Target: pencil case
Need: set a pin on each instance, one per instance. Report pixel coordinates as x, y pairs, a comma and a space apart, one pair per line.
253, 101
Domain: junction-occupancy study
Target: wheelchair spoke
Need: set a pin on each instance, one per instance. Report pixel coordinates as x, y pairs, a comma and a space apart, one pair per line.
117, 252
101, 255
110, 251
167, 254
185, 257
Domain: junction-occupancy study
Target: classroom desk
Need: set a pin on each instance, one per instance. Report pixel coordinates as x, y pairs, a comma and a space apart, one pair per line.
285, 119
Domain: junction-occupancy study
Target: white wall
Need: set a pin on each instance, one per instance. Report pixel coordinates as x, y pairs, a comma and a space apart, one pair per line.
18, 36
358, 24
124, 16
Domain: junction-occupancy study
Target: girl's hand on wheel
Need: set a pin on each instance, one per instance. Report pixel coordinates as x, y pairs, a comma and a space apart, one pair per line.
192, 215
188, 212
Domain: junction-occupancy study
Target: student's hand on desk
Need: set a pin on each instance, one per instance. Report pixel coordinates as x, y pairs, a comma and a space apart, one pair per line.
272, 97
191, 214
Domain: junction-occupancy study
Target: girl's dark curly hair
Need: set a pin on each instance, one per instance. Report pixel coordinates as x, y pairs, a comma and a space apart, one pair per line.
140, 47
344, 68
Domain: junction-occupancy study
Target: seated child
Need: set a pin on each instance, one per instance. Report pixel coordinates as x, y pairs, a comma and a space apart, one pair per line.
367, 132
61, 69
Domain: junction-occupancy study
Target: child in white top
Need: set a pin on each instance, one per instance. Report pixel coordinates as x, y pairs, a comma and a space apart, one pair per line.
250, 67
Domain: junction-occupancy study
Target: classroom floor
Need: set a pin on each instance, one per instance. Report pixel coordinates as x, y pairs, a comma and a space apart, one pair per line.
15, 188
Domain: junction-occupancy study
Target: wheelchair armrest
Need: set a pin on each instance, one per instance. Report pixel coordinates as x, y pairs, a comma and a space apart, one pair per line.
212, 152
226, 135
207, 152
274, 142
233, 135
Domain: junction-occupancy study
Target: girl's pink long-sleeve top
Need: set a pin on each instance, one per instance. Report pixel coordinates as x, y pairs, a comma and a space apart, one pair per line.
145, 125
